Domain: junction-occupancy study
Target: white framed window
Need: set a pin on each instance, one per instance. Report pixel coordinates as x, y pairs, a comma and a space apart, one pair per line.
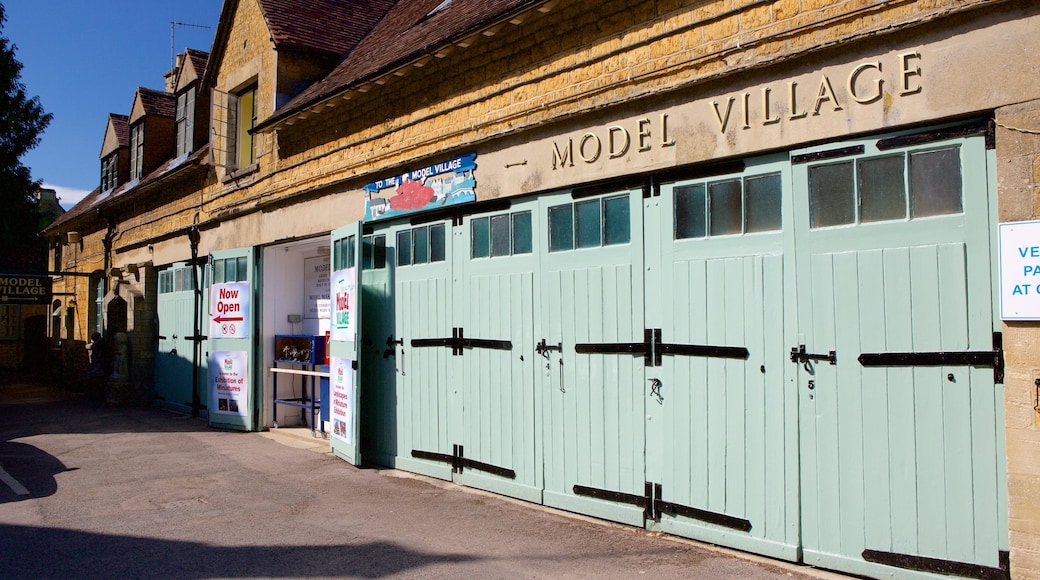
110, 172
186, 121
136, 151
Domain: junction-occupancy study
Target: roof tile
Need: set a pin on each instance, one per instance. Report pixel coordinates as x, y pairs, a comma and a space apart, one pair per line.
333, 26
409, 30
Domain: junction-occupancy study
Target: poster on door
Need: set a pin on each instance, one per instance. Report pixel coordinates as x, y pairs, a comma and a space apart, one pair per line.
229, 310
229, 383
342, 394
344, 305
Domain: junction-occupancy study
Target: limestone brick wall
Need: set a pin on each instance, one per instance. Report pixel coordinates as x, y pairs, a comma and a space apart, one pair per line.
1018, 173
580, 57
248, 58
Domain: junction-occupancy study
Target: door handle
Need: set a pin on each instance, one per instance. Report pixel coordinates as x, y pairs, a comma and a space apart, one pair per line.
655, 390
800, 355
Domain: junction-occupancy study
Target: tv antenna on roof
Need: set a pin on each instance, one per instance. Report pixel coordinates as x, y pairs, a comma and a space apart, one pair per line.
173, 29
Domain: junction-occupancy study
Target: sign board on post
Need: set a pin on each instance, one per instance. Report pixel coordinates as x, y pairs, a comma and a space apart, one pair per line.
229, 310
22, 289
1020, 271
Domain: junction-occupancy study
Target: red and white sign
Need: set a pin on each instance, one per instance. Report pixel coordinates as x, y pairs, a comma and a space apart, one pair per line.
229, 310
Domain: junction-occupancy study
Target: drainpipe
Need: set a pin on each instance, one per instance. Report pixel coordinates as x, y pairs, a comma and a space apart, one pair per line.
197, 339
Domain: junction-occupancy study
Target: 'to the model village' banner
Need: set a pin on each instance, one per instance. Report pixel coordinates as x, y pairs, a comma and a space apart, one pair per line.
19, 289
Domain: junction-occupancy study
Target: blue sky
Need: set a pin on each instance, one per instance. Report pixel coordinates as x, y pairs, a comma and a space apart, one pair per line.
85, 59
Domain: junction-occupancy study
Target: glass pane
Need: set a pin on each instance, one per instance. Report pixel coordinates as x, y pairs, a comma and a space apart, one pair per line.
762, 205
561, 228
725, 211
832, 201
437, 243
587, 224
522, 242
500, 237
367, 253
881, 189
616, 221
480, 245
404, 248
351, 252
337, 255
935, 182
243, 270
218, 272
421, 244
230, 270
690, 212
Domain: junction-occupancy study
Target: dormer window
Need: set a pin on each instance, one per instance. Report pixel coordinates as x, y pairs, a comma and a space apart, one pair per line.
136, 151
110, 172
186, 121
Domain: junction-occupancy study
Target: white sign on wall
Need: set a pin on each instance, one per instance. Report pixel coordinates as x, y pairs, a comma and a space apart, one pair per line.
1020, 271
316, 287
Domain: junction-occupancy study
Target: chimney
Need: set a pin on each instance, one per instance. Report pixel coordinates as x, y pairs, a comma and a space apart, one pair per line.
171, 75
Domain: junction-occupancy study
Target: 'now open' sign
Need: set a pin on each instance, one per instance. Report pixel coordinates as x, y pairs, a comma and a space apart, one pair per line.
229, 310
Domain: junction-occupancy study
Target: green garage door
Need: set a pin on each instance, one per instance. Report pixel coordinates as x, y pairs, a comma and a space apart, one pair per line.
594, 382
900, 401
424, 298
174, 357
495, 365
722, 419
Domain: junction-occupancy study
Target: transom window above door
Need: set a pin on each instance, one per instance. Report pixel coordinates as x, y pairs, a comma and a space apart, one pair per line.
897, 186
730, 206
505, 234
604, 221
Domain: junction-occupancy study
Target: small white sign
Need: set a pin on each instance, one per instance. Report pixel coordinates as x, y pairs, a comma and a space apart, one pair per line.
316, 287
1020, 271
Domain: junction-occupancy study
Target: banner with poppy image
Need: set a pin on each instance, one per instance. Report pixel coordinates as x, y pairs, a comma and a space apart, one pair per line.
442, 184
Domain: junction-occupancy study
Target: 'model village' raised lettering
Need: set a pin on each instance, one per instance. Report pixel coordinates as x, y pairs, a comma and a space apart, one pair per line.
865, 84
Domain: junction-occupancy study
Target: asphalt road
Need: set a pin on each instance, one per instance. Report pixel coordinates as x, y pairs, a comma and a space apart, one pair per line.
88, 491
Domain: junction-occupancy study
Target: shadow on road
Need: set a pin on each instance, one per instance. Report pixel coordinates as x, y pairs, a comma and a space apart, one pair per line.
32, 552
29, 407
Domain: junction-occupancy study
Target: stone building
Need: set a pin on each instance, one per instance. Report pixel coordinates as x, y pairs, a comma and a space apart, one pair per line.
742, 271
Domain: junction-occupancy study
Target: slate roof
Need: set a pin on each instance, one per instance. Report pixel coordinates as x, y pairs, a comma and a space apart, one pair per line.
158, 103
410, 30
98, 198
332, 26
197, 60
121, 125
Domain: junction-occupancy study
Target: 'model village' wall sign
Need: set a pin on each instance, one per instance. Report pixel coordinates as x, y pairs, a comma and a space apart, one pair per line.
25, 289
